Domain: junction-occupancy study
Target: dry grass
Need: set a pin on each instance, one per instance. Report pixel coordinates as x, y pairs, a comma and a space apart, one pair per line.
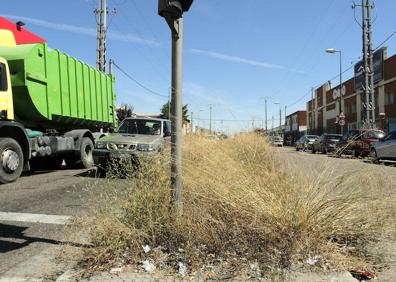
238, 202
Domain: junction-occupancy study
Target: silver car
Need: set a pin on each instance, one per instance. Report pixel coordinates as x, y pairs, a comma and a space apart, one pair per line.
385, 149
306, 142
134, 138
277, 141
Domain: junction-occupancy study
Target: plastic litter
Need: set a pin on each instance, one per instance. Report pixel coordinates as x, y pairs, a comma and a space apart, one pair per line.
182, 268
146, 248
148, 266
116, 270
362, 274
313, 260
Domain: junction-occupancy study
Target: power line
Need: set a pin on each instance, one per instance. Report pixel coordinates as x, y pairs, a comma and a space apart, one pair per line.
234, 120
386, 40
138, 83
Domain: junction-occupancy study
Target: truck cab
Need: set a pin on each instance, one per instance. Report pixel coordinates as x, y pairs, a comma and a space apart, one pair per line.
6, 104
14, 143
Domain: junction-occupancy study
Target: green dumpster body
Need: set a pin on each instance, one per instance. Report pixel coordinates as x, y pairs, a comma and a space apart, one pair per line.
52, 90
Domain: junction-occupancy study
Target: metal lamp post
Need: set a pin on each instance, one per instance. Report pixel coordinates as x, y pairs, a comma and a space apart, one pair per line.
172, 11
340, 114
280, 116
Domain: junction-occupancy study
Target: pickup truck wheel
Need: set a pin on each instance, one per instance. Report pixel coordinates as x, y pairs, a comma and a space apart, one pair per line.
11, 160
86, 150
374, 156
355, 153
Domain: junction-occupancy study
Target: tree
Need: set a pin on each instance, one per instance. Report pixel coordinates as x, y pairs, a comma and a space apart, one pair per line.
124, 111
165, 112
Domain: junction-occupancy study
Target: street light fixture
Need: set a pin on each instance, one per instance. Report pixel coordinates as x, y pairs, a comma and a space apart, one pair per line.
280, 115
172, 11
341, 114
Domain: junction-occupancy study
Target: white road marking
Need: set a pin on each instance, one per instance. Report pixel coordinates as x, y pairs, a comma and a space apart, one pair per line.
34, 218
19, 279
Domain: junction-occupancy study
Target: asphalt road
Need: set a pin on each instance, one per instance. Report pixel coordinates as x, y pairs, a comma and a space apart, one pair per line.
33, 211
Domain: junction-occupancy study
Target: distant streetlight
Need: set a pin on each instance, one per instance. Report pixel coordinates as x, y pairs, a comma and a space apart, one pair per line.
332, 51
172, 11
280, 115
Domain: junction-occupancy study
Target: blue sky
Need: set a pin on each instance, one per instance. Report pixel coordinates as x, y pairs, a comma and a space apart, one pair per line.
235, 52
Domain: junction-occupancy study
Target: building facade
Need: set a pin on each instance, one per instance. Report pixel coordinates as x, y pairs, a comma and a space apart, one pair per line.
296, 126
323, 109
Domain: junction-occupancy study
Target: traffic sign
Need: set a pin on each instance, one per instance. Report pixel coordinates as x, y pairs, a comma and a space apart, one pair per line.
343, 90
335, 94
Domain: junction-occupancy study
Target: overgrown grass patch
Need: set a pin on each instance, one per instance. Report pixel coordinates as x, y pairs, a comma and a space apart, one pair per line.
240, 207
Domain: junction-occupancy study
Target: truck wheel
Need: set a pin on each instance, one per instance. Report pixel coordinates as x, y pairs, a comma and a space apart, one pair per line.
11, 160
86, 150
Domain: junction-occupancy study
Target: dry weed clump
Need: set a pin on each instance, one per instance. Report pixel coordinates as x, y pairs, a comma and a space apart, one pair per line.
240, 203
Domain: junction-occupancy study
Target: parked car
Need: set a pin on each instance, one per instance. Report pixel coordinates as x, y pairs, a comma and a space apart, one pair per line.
358, 142
385, 149
305, 142
325, 143
135, 137
277, 141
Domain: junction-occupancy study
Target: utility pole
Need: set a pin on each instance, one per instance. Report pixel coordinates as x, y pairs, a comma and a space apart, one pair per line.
266, 128
285, 115
368, 109
192, 122
280, 118
101, 13
111, 66
210, 119
272, 127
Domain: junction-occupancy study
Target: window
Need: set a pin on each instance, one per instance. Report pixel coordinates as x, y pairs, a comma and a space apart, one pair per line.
3, 77
374, 135
389, 98
140, 126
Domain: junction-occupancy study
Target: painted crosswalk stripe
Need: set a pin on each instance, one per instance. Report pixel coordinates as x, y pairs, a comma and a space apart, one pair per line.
34, 218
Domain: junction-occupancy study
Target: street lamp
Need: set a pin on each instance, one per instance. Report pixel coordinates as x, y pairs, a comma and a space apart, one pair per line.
280, 115
266, 119
340, 114
172, 11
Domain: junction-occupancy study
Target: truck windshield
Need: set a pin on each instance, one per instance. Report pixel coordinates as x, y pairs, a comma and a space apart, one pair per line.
140, 126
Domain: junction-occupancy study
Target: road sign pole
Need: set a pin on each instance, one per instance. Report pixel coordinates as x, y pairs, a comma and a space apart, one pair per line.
177, 112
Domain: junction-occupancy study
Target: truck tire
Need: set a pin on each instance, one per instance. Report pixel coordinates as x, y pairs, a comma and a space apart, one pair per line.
11, 160
87, 147
84, 158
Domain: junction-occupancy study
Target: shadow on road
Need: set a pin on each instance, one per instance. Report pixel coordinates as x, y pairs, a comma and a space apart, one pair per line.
92, 173
15, 234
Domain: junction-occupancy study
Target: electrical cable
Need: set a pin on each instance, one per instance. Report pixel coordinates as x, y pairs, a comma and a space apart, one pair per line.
138, 83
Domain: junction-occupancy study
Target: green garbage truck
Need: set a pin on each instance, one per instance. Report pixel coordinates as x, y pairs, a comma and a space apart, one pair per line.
52, 109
